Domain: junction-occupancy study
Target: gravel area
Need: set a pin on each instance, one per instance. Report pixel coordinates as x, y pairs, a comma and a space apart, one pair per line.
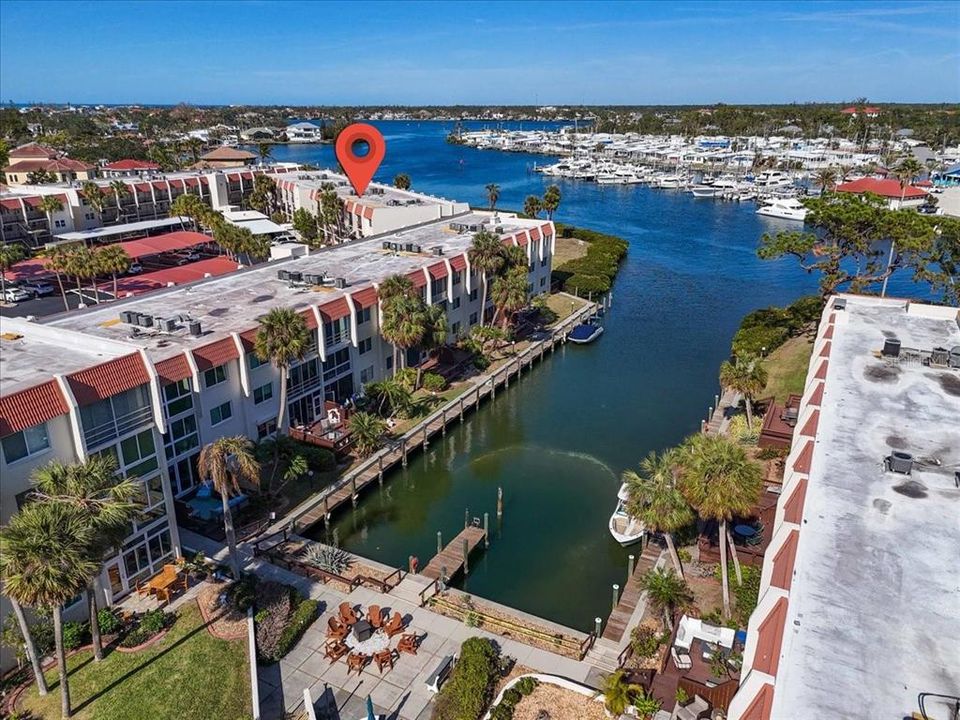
223, 622
561, 704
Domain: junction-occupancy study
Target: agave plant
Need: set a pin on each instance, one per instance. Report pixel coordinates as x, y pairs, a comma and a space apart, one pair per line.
329, 558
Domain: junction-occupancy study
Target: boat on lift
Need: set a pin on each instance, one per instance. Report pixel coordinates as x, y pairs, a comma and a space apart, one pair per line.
625, 529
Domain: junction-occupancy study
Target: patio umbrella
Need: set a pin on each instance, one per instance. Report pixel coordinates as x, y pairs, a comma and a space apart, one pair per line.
370, 714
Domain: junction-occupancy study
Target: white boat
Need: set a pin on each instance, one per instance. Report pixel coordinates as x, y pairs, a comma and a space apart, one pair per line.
585, 333
704, 191
772, 179
785, 209
625, 529
671, 181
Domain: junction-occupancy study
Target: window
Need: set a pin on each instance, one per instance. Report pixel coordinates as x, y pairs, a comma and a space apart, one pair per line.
473, 318
114, 416
262, 393
389, 363
267, 428
366, 375
253, 362
138, 454
182, 436
304, 376
215, 376
179, 397
336, 332
220, 413
455, 329
457, 277
365, 346
336, 364
438, 288
543, 281
27, 442
545, 261
473, 295
456, 303
60, 223
363, 316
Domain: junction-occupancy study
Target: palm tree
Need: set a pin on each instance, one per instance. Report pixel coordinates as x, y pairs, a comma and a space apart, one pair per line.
398, 297
282, 338
719, 481
532, 206
486, 258
120, 190
667, 591
263, 150
403, 325
189, 206
493, 194
367, 430
10, 254
905, 172
656, 500
401, 181
226, 463
58, 261
434, 336
619, 693
826, 178
387, 395
551, 200
748, 377
107, 503
194, 145
81, 264
93, 195
44, 552
114, 260
509, 294
49, 204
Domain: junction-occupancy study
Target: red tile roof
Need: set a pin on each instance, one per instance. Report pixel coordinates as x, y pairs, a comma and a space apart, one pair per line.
793, 509
365, 298
107, 379
417, 278
770, 638
173, 369
438, 271
762, 705
887, 188
216, 353
30, 407
228, 153
810, 426
52, 165
534, 234
783, 561
129, 164
33, 150
248, 338
334, 310
459, 262
310, 318
804, 459
817, 397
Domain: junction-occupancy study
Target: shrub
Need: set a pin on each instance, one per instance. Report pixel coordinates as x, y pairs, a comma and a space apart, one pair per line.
684, 555
331, 559
645, 641
502, 712
306, 612
467, 693
756, 340
318, 459
481, 362
75, 634
149, 625
434, 382
273, 603
806, 310
512, 696
772, 453
526, 685
153, 621
741, 432
109, 622
584, 284
241, 594
406, 377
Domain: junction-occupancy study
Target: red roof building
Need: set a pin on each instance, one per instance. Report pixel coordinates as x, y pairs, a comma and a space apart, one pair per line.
868, 111
128, 167
888, 188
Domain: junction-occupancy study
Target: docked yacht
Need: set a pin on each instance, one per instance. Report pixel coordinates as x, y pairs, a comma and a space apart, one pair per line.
772, 179
625, 529
705, 191
784, 208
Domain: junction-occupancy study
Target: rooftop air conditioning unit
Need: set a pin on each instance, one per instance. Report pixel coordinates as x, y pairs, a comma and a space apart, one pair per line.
168, 324
899, 462
283, 274
955, 356
386, 244
144, 320
940, 356
340, 283
194, 328
409, 247
129, 317
891, 348
417, 249
840, 304
438, 250
498, 229
295, 276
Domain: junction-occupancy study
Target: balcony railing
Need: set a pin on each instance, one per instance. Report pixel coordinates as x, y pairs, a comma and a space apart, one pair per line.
337, 338
304, 386
104, 433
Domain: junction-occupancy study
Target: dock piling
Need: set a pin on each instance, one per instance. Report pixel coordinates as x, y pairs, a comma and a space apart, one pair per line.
466, 518
486, 529
353, 487
466, 556
443, 423
630, 561
439, 542
461, 409
597, 626
499, 503
403, 447
616, 596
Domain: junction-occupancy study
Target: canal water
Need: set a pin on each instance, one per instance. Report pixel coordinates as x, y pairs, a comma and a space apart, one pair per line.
557, 441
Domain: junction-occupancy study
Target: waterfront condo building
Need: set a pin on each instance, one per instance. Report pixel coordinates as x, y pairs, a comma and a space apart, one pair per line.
153, 378
857, 614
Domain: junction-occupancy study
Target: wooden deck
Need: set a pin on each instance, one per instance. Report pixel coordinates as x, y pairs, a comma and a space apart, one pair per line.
619, 621
347, 489
451, 558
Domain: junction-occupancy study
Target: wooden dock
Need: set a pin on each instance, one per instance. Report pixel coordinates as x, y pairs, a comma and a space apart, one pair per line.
451, 557
347, 489
619, 621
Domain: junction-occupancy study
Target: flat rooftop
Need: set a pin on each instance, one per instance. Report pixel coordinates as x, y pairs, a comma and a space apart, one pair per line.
873, 612
377, 194
233, 303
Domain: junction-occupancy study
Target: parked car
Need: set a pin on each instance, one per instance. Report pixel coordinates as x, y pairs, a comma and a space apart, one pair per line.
186, 256
16, 294
38, 288
135, 269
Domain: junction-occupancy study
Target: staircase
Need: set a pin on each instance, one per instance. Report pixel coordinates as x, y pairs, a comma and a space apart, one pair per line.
410, 588
604, 655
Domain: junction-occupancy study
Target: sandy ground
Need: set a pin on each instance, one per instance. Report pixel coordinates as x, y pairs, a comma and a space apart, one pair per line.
560, 704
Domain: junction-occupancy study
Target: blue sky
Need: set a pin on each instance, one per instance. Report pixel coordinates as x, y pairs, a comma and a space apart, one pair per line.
478, 53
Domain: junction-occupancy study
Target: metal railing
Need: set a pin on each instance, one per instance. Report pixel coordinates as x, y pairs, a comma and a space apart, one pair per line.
117, 426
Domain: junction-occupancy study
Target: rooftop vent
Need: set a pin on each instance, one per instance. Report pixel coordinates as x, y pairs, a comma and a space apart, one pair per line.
840, 304
295, 276
955, 356
194, 328
940, 356
438, 250
340, 283
283, 274
129, 317
386, 244
144, 320
899, 462
167, 324
891, 348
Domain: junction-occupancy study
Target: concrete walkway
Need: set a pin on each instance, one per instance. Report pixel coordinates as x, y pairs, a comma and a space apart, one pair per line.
400, 693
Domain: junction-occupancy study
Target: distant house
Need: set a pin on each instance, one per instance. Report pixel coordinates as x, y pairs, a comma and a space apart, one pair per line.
870, 112
33, 157
128, 168
223, 157
896, 196
258, 133
304, 132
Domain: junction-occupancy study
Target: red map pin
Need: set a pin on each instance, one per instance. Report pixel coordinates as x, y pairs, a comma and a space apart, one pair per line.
360, 168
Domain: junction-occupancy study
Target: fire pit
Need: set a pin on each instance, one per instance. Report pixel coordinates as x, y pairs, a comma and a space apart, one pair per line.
362, 631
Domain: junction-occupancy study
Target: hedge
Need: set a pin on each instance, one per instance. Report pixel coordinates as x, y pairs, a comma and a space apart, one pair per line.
302, 618
467, 693
766, 329
594, 272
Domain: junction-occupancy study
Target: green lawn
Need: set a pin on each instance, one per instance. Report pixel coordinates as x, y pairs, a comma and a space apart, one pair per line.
564, 305
188, 674
787, 368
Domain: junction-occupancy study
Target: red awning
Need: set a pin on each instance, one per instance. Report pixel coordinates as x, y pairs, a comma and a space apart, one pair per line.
365, 298
438, 271
216, 353
335, 309
417, 278
107, 379
142, 187
459, 262
310, 318
138, 284
31, 407
534, 234
167, 242
173, 369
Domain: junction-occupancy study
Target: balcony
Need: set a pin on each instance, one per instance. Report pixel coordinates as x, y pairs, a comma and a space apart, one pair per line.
101, 434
